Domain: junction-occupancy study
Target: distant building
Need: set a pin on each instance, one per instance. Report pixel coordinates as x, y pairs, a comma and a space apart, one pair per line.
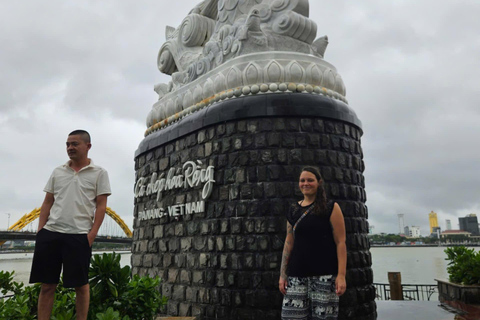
370, 229
453, 235
469, 223
401, 223
436, 231
432, 217
415, 232
449, 224
412, 232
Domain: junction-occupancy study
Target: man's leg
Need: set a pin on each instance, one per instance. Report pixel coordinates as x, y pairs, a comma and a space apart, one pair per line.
81, 301
45, 301
77, 253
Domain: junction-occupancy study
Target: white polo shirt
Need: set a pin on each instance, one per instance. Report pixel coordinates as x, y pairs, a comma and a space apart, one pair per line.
75, 196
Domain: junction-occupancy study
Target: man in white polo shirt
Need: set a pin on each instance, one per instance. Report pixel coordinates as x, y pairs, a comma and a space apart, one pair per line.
70, 216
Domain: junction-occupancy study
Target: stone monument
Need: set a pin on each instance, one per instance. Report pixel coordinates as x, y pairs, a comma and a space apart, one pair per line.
250, 102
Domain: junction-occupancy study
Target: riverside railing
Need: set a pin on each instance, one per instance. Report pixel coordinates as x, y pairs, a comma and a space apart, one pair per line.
417, 292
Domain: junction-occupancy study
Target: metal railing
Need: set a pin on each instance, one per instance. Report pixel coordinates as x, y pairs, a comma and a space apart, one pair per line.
417, 292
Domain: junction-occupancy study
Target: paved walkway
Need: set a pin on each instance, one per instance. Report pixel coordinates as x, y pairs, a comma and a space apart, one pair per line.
418, 310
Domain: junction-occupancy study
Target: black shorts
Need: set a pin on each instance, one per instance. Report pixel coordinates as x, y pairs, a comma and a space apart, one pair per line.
54, 249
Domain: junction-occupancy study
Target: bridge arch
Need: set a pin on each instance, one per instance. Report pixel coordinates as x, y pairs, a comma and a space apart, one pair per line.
35, 213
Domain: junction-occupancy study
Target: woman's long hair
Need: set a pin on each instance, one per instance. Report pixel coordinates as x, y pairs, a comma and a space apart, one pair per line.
320, 206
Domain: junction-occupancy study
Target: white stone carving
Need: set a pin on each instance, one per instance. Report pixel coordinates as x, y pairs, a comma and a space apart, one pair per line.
225, 49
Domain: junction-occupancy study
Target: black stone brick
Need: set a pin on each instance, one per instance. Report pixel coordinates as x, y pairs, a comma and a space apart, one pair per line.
190, 140
329, 127
152, 246
260, 226
306, 125
262, 173
242, 126
325, 142
266, 125
225, 298
241, 209
274, 172
237, 261
313, 140
252, 174
223, 193
288, 140
248, 141
295, 156
236, 225
282, 156
230, 128
244, 280
266, 156
260, 140
332, 157
234, 192
273, 139
220, 130
308, 156
173, 245
240, 243
270, 189
292, 124
246, 191
230, 209
258, 191
230, 241
338, 174
279, 124
180, 260
198, 310
321, 157
252, 126
300, 140
226, 145
224, 226
200, 243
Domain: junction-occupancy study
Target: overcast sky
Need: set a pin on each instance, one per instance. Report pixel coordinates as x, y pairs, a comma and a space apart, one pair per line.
411, 68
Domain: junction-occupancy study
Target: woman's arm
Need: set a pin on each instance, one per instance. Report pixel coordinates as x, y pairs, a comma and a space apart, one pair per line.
287, 249
339, 236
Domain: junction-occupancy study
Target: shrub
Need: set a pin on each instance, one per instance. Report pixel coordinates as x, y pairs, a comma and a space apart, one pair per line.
114, 295
464, 265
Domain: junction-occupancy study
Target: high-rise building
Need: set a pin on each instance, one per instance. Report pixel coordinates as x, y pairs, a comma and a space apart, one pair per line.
432, 217
412, 232
470, 224
401, 223
449, 224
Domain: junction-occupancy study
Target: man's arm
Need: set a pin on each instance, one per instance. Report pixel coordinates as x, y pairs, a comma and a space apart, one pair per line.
99, 216
45, 210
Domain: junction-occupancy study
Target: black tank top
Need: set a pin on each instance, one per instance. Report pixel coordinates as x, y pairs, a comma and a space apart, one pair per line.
314, 250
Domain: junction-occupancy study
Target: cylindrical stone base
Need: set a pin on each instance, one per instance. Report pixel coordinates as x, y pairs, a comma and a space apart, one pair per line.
223, 262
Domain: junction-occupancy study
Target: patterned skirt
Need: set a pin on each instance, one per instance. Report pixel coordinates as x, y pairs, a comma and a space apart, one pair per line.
310, 298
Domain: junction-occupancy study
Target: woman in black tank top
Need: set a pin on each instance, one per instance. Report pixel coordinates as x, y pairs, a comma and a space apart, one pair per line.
315, 255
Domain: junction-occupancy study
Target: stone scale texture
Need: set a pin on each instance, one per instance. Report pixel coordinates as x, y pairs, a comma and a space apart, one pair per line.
224, 263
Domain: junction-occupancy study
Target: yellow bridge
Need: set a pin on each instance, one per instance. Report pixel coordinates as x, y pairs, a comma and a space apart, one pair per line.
35, 213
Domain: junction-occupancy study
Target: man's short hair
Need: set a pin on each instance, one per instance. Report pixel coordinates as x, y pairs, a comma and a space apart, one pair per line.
85, 136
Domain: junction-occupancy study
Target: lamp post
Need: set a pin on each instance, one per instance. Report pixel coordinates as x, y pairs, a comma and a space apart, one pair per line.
8, 223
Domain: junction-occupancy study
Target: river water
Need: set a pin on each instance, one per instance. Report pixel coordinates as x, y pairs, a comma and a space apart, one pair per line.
418, 265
